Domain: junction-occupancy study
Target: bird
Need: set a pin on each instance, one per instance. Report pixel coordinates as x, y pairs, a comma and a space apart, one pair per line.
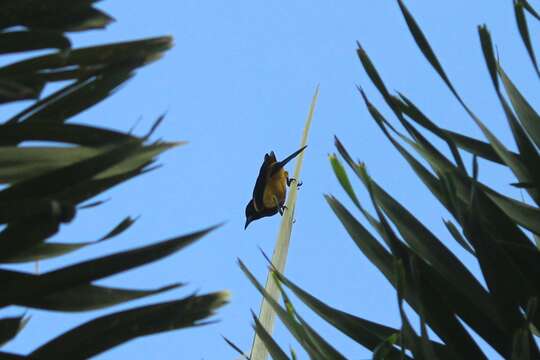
270, 188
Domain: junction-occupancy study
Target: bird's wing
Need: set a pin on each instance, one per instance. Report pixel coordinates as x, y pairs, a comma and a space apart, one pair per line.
262, 180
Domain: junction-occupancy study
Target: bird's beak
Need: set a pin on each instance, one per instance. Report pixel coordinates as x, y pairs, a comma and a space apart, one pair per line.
247, 223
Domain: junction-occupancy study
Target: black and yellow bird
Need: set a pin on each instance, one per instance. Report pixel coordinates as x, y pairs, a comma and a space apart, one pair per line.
271, 188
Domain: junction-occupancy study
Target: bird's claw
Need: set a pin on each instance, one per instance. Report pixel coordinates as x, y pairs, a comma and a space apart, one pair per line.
290, 181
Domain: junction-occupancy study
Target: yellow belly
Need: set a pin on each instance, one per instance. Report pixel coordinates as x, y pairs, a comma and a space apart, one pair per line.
276, 189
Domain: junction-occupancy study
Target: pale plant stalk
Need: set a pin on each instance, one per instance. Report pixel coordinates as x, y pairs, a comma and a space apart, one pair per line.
279, 257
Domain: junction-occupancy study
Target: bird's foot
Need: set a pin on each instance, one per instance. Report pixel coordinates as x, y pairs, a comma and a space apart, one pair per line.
290, 181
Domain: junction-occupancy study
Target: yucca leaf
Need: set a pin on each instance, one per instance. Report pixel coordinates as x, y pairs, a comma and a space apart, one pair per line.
20, 236
442, 320
74, 98
10, 327
17, 41
28, 162
279, 256
522, 345
530, 9
323, 347
370, 246
273, 348
20, 89
111, 330
44, 251
525, 241
83, 135
426, 244
517, 167
525, 169
526, 259
506, 287
284, 315
528, 117
90, 270
59, 15
453, 230
477, 318
9, 356
424, 46
365, 332
408, 334
343, 179
383, 350
524, 214
429, 248
89, 61
474, 146
235, 348
88, 297
520, 212
523, 28
90, 188
57, 180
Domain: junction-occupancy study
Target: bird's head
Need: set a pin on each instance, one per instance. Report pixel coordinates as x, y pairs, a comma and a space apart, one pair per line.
251, 213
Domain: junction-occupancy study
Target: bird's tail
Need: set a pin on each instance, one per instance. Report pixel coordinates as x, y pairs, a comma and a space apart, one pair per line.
283, 162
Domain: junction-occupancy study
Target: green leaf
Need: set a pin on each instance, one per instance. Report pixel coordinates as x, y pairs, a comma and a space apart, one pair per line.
530, 9
108, 331
343, 179
87, 297
273, 348
17, 41
85, 62
364, 332
522, 345
369, 246
286, 317
521, 21
21, 163
525, 170
19, 89
10, 327
441, 318
9, 356
83, 135
74, 98
21, 236
474, 146
90, 188
62, 178
507, 287
517, 167
323, 347
528, 117
424, 46
235, 348
522, 213
90, 270
458, 237
407, 332
43, 251
430, 248
76, 15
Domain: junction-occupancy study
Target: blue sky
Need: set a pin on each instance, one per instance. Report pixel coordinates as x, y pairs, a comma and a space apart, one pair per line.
238, 84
